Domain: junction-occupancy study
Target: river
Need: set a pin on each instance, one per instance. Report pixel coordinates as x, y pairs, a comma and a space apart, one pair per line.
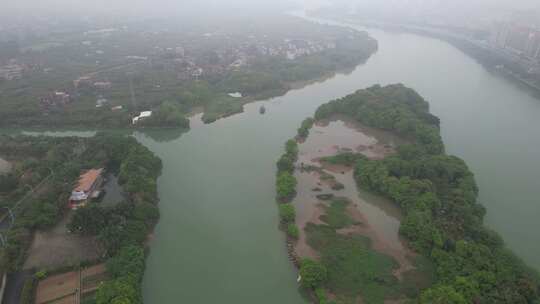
218, 240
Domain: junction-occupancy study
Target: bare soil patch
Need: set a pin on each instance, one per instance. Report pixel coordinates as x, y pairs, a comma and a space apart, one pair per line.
58, 247
62, 288
66, 288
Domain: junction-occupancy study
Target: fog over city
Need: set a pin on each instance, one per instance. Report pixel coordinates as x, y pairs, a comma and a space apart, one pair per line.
80, 6
459, 11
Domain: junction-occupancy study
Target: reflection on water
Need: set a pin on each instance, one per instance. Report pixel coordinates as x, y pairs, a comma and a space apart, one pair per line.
113, 191
380, 218
163, 135
60, 133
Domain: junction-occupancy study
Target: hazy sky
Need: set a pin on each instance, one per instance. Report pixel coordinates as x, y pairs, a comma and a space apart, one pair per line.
130, 4
170, 6
148, 7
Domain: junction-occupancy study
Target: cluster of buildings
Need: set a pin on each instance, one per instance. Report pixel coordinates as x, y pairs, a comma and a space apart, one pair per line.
54, 99
234, 56
88, 81
298, 48
522, 40
288, 48
11, 71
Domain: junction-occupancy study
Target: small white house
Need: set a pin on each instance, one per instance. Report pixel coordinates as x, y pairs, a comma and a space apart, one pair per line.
142, 115
101, 102
235, 95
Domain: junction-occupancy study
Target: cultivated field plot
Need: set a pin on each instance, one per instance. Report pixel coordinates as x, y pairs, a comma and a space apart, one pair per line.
66, 288
60, 288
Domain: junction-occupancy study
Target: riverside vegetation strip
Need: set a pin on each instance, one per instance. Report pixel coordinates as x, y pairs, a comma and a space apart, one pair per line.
171, 68
120, 230
442, 220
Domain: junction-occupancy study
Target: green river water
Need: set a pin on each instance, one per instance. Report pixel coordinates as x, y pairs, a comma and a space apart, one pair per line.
218, 240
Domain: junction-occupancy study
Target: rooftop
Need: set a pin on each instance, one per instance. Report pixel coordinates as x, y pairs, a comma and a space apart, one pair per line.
87, 179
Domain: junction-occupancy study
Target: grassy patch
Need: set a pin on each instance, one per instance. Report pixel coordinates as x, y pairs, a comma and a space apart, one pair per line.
354, 269
221, 107
335, 216
347, 159
292, 231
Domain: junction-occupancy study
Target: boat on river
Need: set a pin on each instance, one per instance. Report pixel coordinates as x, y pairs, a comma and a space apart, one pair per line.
262, 110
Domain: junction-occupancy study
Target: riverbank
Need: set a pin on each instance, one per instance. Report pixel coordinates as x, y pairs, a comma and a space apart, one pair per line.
204, 74
495, 60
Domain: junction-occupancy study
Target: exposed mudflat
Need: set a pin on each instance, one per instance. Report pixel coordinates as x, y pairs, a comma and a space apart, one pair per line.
57, 247
378, 218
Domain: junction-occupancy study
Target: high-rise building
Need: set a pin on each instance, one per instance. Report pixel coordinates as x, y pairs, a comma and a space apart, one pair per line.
518, 38
533, 45
499, 34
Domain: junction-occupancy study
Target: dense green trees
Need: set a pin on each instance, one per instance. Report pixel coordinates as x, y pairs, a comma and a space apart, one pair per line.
287, 213
303, 131
443, 221
44, 214
169, 114
88, 221
128, 262
437, 194
293, 231
394, 108
286, 186
286, 189
313, 273
120, 291
442, 295
8, 182
126, 270
287, 160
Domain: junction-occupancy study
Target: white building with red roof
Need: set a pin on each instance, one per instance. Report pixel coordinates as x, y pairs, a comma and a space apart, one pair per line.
88, 186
